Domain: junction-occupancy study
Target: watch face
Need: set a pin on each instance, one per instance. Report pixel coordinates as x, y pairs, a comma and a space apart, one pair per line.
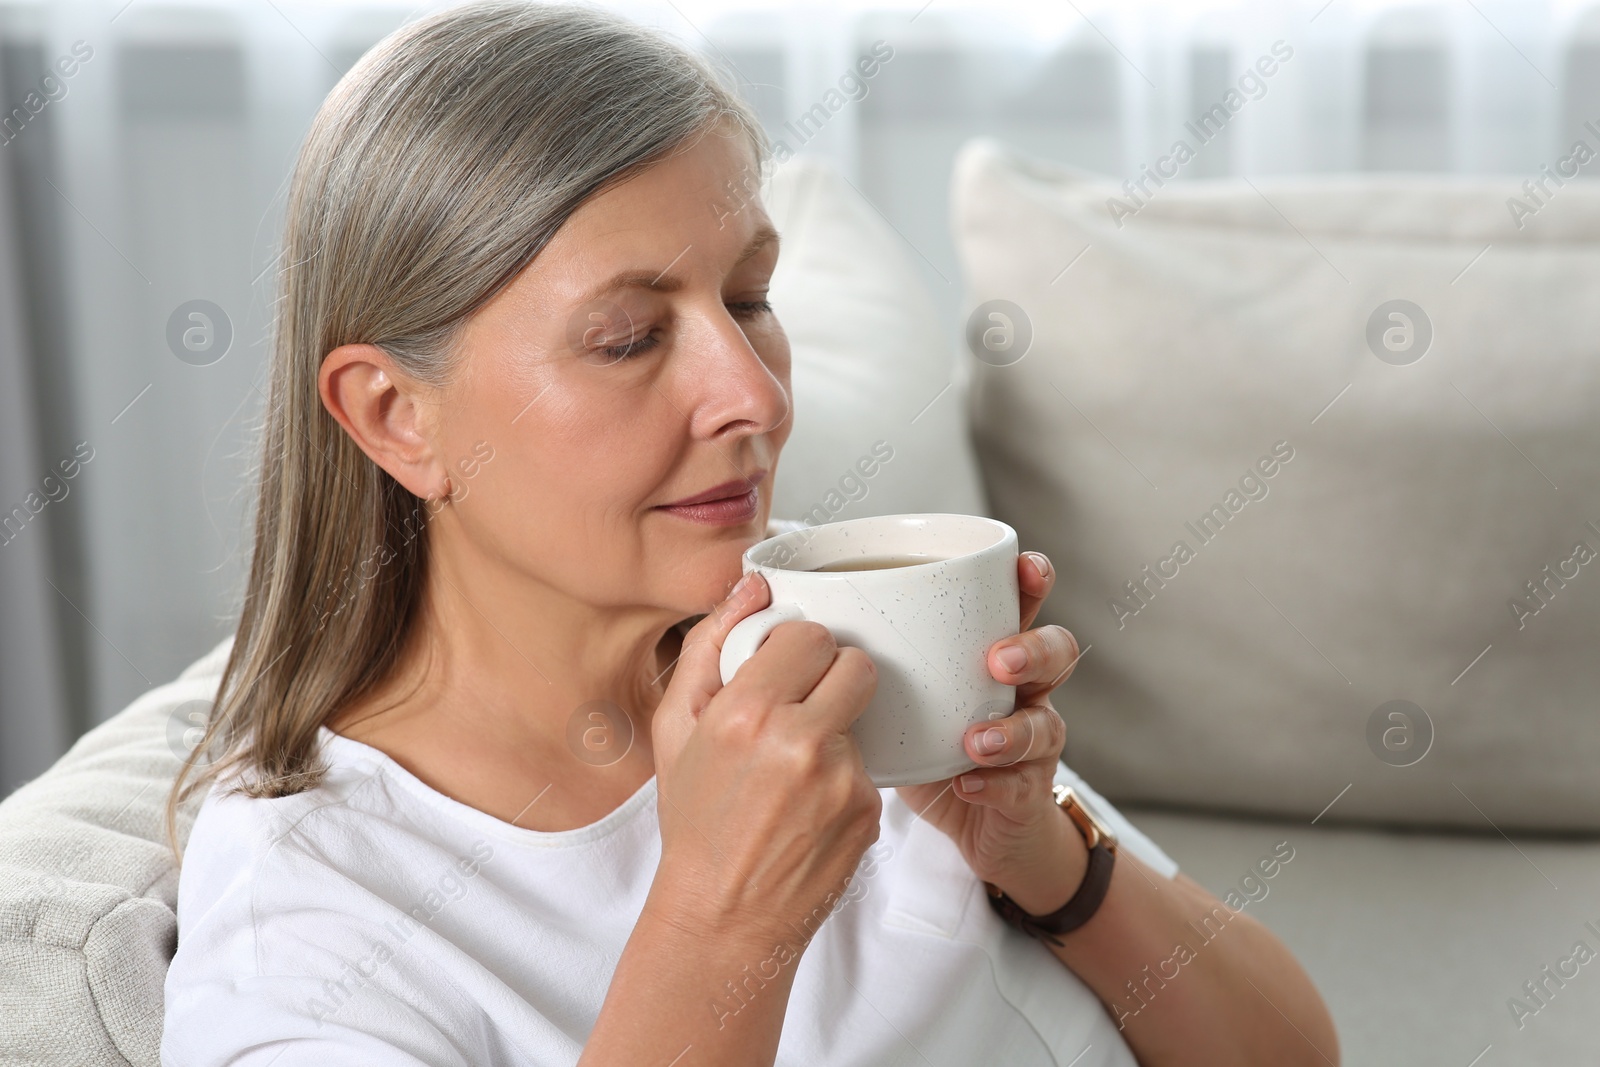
1087, 808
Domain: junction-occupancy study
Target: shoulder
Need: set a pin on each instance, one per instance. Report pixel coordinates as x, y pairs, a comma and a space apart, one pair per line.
233, 827
285, 928
243, 849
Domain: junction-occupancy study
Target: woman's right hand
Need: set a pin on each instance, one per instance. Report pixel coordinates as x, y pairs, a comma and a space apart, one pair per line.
764, 805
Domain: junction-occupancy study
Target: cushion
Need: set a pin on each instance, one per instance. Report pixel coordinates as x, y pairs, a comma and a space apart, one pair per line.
88, 888
879, 420
1417, 942
1316, 544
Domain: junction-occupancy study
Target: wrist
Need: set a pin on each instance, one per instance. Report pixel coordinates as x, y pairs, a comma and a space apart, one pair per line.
683, 919
1052, 877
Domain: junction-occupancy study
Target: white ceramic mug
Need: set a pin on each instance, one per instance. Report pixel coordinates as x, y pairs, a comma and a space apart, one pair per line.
927, 627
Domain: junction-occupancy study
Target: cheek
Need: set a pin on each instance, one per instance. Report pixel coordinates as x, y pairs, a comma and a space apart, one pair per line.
574, 465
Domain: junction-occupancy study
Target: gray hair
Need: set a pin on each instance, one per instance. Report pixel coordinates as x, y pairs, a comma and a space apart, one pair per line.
433, 173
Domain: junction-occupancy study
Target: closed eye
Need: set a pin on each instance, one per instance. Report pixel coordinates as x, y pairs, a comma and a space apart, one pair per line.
618, 353
744, 309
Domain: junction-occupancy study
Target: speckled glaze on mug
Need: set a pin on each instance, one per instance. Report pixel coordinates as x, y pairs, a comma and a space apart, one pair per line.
927, 627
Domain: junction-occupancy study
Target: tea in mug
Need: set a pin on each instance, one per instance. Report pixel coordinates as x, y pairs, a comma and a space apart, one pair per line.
877, 563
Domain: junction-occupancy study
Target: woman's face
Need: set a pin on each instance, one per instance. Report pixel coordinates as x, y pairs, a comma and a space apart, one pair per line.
633, 364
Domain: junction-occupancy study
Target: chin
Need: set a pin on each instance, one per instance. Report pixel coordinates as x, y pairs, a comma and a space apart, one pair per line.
718, 572
711, 568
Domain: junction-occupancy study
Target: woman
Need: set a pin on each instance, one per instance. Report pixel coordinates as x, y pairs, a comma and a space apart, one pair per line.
478, 794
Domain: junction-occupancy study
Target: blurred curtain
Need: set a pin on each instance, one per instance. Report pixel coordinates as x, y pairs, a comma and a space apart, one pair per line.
152, 176
35, 721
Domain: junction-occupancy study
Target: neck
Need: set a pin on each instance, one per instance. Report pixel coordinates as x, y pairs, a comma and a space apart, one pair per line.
495, 671
541, 651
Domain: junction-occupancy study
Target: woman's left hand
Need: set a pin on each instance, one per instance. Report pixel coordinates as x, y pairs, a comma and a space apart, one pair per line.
1009, 827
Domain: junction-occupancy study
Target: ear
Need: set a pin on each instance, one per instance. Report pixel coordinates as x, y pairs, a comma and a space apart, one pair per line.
386, 414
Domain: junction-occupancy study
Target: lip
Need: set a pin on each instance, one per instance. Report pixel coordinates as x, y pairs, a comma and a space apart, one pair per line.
729, 504
729, 490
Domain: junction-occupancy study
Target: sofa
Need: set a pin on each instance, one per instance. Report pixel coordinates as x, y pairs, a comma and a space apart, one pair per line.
1294, 447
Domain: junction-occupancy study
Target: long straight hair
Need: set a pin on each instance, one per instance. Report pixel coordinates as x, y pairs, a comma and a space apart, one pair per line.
434, 172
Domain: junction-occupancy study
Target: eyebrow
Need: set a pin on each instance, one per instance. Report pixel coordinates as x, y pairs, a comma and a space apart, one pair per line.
662, 282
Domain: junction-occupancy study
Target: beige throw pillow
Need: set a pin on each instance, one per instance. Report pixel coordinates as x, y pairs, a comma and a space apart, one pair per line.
1325, 548
879, 421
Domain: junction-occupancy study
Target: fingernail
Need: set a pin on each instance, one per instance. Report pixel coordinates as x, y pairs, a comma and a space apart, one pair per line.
990, 741
1013, 658
1040, 562
744, 585
734, 600
971, 783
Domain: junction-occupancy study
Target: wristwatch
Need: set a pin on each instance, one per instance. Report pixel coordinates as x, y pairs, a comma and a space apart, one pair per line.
1091, 891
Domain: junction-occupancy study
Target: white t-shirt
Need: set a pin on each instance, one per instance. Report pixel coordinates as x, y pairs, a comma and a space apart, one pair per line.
375, 921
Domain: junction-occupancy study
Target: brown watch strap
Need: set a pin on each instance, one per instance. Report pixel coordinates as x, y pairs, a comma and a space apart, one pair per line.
1091, 891
1071, 915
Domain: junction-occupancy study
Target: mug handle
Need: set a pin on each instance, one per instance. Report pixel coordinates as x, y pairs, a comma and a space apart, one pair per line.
748, 633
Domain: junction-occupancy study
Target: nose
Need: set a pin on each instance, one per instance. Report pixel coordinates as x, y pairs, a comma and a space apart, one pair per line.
728, 388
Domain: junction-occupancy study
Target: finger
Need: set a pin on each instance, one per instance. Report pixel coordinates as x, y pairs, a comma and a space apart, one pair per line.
1017, 790
1036, 661
1029, 733
700, 657
1035, 578
787, 667
846, 689
698, 674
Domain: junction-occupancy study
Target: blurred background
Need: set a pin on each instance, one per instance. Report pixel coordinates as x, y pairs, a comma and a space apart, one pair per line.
145, 147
